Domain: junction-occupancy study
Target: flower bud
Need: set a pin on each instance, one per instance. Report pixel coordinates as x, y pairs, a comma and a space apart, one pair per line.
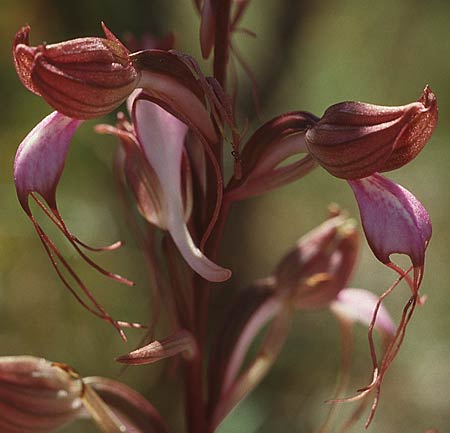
82, 78
36, 395
354, 140
320, 265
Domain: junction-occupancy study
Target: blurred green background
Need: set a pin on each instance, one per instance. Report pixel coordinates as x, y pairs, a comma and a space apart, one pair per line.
306, 56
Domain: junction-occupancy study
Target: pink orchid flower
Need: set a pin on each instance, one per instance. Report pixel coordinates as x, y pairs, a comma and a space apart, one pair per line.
38, 166
355, 141
86, 78
312, 276
39, 396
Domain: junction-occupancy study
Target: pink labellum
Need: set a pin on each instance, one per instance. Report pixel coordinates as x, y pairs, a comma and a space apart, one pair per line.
38, 166
161, 136
41, 157
358, 305
181, 342
394, 221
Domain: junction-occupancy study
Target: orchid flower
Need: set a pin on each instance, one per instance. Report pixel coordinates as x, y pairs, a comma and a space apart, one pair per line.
83, 78
38, 166
355, 141
161, 137
352, 141
312, 276
170, 163
39, 396
36, 396
88, 77
157, 170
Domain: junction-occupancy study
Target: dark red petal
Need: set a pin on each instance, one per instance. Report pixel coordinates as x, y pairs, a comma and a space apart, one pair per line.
23, 56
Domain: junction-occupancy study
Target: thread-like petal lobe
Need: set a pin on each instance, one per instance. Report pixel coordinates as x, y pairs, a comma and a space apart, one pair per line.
394, 221
161, 136
41, 156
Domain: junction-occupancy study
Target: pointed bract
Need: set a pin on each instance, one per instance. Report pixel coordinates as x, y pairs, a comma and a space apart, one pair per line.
181, 342
234, 382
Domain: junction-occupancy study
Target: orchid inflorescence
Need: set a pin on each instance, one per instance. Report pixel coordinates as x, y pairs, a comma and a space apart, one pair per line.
181, 124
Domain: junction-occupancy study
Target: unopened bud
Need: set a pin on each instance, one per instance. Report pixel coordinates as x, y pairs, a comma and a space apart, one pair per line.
318, 268
36, 395
354, 140
82, 78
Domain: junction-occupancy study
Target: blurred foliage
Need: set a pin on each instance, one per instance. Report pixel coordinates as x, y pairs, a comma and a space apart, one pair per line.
306, 56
